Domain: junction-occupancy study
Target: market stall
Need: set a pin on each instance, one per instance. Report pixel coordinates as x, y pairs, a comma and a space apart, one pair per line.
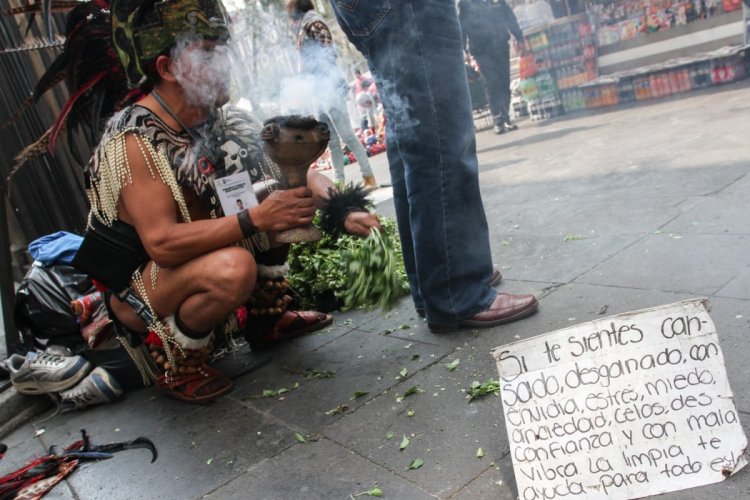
626, 50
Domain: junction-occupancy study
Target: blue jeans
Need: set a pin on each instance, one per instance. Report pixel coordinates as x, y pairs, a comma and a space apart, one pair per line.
415, 53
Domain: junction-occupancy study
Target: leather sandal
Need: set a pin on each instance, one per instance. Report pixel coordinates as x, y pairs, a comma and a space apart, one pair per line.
292, 324
205, 385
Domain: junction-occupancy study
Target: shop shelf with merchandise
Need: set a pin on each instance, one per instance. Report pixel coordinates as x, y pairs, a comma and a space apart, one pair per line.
562, 55
675, 76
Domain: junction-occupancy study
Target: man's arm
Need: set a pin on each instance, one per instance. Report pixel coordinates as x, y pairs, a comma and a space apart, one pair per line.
512, 23
147, 203
357, 223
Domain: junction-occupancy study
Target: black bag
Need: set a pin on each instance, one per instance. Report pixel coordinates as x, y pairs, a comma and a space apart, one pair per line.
42, 311
110, 255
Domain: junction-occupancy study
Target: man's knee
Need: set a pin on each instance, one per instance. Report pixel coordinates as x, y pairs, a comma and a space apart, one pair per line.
235, 272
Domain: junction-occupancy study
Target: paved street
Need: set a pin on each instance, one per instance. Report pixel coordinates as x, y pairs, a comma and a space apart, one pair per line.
614, 211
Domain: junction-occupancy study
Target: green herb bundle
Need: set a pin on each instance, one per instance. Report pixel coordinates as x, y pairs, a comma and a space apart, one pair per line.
322, 272
373, 274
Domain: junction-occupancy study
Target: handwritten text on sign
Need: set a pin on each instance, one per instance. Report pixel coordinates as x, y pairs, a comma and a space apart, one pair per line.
629, 406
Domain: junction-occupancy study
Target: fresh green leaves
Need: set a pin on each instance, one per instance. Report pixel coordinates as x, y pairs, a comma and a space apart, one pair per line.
390, 435
487, 387
319, 271
410, 413
411, 390
404, 443
453, 365
299, 437
272, 393
359, 394
403, 373
416, 464
480, 453
372, 492
374, 273
572, 237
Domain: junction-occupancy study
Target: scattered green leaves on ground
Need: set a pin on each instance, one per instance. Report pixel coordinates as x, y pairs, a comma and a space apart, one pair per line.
372, 492
404, 443
573, 237
453, 365
390, 435
299, 437
310, 373
403, 373
416, 464
209, 461
359, 394
272, 393
480, 452
317, 374
477, 390
410, 413
339, 410
411, 390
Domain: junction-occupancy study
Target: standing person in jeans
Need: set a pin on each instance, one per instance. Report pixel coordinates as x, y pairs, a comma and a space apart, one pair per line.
487, 26
318, 60
414, 49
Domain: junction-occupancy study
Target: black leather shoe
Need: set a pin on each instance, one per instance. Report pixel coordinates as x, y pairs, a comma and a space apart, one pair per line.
506, 308
494, 281
499, 129
510, 126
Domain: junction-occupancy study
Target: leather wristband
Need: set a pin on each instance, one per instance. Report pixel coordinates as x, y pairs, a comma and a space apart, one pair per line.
246, 224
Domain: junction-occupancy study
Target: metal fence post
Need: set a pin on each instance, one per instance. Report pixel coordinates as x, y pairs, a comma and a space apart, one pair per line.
7, 290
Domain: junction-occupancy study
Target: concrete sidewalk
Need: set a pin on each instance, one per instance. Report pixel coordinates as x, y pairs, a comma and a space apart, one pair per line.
615, 211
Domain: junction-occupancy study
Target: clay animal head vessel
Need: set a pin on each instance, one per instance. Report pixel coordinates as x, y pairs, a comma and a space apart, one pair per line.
294, 142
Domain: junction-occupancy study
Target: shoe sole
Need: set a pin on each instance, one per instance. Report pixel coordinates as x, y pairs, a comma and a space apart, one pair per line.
36, 387
484, 324
256, 345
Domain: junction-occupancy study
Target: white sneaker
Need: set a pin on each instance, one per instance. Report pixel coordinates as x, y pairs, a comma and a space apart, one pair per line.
98, 387
39, 373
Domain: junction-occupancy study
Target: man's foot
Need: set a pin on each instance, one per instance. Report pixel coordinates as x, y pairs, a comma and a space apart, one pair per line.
499, 129
509, 126
98, 387
505, 308
290, 325
494, 281
39, 373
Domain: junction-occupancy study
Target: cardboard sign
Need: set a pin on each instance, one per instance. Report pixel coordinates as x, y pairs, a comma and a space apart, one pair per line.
624, 407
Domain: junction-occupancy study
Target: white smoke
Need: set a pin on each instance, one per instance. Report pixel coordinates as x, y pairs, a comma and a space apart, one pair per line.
203, 70
270, 62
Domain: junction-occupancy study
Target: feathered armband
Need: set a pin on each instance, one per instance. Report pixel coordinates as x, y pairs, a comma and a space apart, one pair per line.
342, 202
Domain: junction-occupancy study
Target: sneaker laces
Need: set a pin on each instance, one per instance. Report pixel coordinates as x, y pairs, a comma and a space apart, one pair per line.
79, 399
47, 359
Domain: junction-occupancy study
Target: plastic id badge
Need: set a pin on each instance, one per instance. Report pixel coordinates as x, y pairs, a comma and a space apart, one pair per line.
235, 193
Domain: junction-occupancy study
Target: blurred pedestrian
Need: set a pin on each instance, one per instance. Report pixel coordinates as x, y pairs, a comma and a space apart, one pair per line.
414, 49
318, 59
487, 26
